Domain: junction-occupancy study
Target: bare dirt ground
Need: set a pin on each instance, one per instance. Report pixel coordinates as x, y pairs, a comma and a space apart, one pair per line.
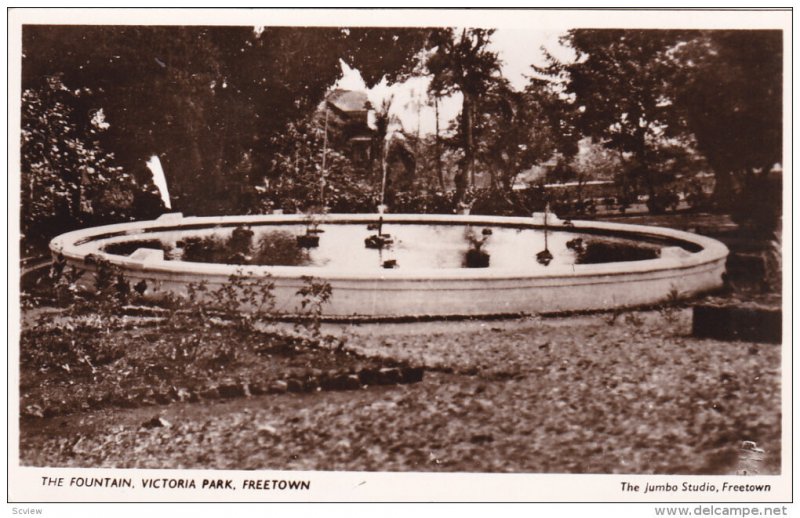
602, 393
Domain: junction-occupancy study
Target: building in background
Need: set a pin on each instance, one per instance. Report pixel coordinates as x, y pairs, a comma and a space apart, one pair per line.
348, 125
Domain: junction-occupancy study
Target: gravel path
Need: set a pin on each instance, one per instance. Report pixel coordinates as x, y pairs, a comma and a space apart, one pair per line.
580, 394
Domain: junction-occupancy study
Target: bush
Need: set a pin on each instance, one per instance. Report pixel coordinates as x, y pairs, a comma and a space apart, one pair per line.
202, 324
659, 202
496, 203
240, 241
360, 199
314, 294
245, 300
69, 179
353, 202
235, 249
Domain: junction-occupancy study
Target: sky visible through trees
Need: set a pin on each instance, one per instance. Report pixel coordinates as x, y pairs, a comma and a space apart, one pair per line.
517, 50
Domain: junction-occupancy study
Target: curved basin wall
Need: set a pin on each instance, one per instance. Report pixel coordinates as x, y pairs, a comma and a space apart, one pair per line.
427, 292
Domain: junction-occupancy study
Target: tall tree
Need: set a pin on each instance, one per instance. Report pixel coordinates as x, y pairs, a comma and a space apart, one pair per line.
438, 145
514, 131
620, 83
729, 88
462, 62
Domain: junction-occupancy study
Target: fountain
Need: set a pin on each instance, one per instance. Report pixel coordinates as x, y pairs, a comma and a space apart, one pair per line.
545, 257
423, 268
612, 266
379, 240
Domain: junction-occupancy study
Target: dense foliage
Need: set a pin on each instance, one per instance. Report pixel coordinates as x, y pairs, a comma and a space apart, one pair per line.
233, 114
67, 179
211, 103
665, 99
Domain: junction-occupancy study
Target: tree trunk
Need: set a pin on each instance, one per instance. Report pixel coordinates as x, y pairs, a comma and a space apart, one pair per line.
466, 173
643, 166
438, 150
507, 182
495, 185
469, 145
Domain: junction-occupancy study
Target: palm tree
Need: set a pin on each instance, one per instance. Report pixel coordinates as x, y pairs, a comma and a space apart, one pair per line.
383, 136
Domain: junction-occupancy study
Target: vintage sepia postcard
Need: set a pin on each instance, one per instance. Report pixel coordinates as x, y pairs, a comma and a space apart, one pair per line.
400, 255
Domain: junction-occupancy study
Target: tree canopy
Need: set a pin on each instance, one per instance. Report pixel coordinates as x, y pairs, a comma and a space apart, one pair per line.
658, 96
228, 110
730, 88
207, 101
620, 87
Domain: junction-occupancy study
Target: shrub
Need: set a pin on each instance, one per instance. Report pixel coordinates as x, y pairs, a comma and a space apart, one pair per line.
670, 308
235, 249
198, 329
72, 348
245, 300
659, 202
240, 241
314, 294
497, 203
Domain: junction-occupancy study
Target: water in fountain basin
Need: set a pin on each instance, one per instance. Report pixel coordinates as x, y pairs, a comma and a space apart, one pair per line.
418, 246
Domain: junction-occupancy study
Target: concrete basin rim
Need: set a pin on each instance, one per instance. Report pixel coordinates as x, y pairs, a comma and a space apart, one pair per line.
712, 250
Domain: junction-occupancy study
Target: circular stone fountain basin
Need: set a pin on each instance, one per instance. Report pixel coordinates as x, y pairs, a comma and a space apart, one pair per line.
429, 277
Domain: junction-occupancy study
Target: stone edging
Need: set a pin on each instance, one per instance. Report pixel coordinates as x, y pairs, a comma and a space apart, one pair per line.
313, 381
430, 292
